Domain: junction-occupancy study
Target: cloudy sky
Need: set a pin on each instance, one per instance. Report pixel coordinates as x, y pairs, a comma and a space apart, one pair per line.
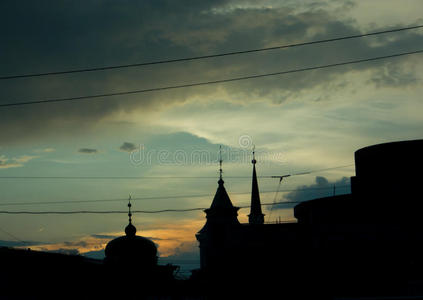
298, 122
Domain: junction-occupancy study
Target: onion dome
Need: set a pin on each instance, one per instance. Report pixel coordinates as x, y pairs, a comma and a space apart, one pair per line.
130, 230
135, 250
131, 249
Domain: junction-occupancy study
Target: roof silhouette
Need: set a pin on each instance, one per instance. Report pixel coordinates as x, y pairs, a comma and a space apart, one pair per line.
256, 215
221, 198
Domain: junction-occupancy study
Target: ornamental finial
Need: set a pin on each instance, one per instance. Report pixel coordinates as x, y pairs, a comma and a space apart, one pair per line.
129, 209
130, 230
220, 168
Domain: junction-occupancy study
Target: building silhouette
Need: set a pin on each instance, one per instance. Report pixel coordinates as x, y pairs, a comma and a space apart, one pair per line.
129, 269
367, 243
364, 244
136, 257
131, 249
256, 216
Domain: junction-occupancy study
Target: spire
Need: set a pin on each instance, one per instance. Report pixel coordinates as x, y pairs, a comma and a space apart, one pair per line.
221, 198
221, 212
130, 230
256, 216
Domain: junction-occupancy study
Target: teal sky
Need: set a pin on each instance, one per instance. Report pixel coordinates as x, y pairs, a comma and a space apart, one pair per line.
300, 122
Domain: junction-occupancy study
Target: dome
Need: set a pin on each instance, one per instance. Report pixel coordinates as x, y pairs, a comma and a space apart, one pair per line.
131, 249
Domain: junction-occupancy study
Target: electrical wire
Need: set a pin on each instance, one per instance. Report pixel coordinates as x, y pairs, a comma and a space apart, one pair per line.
195, 84
274, 199
103, 212
13, 236
153, 198
166, 61
166, 177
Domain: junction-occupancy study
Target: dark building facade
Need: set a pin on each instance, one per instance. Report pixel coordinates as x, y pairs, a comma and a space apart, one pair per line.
365, 243
129, 270
234, 255
136, 256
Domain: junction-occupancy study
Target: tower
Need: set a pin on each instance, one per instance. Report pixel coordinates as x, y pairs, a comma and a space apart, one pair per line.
215, 237
256, 216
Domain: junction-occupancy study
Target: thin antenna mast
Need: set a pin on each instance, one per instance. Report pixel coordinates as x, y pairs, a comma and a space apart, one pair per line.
277, 191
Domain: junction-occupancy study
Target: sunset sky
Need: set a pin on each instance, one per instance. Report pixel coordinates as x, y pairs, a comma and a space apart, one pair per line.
170, 139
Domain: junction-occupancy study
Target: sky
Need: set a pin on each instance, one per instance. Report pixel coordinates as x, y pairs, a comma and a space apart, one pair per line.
299, 122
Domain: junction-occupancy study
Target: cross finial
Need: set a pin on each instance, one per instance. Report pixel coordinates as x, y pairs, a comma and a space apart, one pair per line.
129, 209
220, 162
130, 229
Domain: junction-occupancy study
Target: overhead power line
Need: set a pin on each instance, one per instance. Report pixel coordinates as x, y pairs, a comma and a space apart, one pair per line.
156, 197
101, 212
164, 177
157, 177
92, 97
123, 177
125, 211
135, 211
307, 172
12, 236
166, 61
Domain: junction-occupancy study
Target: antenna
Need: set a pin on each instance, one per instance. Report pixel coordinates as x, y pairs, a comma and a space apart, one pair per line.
280, 177
277, 191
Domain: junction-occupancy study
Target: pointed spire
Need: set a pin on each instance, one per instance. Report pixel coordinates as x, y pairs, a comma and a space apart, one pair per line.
221, 198
256, 216
221, 212
254, 161
130, 229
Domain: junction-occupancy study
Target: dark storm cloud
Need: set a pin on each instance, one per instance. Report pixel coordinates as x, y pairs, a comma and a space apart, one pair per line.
128, 147
322, 188
48, 35
88, 151
41, 36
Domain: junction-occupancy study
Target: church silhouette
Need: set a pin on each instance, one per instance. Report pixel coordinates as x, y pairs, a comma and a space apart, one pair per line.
366, 243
